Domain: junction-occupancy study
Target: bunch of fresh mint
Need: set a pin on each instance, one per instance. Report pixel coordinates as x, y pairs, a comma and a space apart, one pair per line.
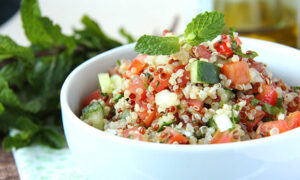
31, 77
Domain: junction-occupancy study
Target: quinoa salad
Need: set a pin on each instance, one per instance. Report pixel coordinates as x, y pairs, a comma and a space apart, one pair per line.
195, 88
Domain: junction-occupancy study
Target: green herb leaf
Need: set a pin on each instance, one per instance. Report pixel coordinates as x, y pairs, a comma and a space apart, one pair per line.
19, 140
272, 110
9, 48
7, 96
296, 88
51, 137
211, 123
237, 49
125, 34
94, 28
155, 45
205, 27
40, 31
255, 102
1, 108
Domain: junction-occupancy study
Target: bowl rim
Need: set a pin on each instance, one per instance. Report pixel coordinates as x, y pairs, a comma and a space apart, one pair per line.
158, 146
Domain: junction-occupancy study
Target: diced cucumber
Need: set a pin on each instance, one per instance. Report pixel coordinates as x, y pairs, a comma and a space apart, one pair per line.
93, 115
165, 121
166, 99
117, 81
105, 83
204, 72
223, 122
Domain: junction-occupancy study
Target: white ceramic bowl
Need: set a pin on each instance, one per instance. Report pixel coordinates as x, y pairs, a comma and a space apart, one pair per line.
104, 156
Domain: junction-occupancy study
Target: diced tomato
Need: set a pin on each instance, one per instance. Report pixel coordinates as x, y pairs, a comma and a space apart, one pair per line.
202, 52
185, 78
146, 116
160, 81
133, 133
293, 119
94, 95
169, 136
237, 72
258, 116
266, 128
196, 103
136, 84
136, 66
268, 95
222, 47
221, 137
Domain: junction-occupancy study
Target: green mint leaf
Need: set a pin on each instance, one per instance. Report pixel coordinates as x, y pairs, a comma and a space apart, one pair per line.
95, 29
255, 102
205, 27
296, 88
40, 30
155, 45
51, 137
33, 27
19, 140
25, 124
1, 108
125, 34
7, 96
273, 110
8, 48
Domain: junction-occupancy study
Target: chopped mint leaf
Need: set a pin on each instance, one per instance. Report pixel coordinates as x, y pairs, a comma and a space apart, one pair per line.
211, 123
205, 27
118, 62
272, 110
279, 104
155, 45
296, 88
255, 102
237, 49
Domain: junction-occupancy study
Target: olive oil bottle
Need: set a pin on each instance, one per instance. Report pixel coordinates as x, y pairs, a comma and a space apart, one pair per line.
272, 20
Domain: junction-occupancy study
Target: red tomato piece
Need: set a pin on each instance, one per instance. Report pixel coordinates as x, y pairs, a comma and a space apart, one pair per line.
137, 87
195, 103
266, 128
160, 82
169, 136
222, 46
293, 119
259, 115
136, 66
238, 72
133, 133
221, 137
185, 78
146, 116
268, 95
94, 95
202, 52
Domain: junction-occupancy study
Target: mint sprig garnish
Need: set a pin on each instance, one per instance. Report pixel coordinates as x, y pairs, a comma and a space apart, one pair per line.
204, 27
155, 45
